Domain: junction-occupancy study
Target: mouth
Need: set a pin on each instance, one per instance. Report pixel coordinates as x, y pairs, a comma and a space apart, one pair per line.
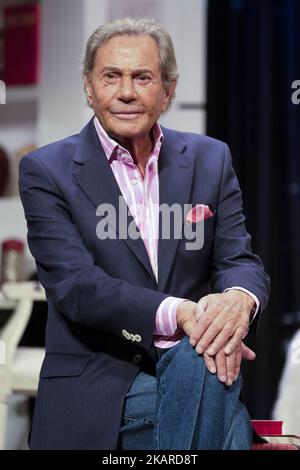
127, 115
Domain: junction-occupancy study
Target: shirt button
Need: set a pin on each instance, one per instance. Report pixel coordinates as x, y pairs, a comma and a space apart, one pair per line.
136, 359
134, 181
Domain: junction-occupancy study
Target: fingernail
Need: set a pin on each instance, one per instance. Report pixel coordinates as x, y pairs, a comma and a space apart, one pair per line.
227, 350
223, 378
229, 382
212, 370
199, 350
192, 342
211, 351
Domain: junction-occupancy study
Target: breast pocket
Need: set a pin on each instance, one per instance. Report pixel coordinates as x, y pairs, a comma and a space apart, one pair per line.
198, 234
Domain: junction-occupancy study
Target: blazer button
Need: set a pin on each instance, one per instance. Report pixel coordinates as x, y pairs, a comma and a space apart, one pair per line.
126, 334
138, 338
136, 359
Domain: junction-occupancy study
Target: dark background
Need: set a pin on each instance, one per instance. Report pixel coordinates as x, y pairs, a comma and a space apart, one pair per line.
253, 58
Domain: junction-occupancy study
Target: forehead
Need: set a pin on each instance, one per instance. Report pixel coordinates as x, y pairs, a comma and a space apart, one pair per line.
134, 51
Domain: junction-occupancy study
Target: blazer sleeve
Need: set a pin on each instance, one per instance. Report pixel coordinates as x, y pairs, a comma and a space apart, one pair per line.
233, 262
80, 290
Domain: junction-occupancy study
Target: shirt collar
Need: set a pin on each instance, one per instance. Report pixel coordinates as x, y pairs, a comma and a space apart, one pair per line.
110, 146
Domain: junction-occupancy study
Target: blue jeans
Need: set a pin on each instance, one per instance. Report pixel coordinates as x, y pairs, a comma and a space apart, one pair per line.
183, 406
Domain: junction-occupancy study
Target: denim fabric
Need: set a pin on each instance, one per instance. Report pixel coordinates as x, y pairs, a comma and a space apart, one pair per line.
183, 407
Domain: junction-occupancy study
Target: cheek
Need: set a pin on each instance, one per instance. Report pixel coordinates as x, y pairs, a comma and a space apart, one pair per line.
103, 96
155, 102
162, 100
101, 104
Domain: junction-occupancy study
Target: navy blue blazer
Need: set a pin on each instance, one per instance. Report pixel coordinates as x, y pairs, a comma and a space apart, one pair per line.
98, 291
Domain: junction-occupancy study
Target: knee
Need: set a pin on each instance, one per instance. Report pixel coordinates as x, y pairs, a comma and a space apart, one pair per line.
181, 363
184, 365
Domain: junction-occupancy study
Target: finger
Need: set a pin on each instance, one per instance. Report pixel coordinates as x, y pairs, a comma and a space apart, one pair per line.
231, 368
210, 363
220, 340
189, 326
221, 366
247, 353
238, 360
201, 307
237, 337
205, 320
207, 337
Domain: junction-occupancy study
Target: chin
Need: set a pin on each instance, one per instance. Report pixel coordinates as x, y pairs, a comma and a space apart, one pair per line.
129, 131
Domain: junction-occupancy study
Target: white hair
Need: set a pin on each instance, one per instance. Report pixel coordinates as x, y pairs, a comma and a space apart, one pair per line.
134, 26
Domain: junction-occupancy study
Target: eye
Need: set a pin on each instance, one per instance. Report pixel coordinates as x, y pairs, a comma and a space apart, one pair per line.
110, 77
143, 78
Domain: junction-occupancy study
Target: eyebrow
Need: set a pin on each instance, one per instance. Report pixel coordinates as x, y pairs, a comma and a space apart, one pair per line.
116, 69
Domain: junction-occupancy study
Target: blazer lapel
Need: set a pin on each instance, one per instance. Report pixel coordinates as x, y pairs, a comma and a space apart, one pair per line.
93, 173
176, 170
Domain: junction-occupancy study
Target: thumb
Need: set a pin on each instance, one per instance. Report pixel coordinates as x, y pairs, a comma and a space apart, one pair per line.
247, 353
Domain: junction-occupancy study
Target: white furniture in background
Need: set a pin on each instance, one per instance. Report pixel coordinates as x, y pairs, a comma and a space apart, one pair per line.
287, 405
13, 225
19, 366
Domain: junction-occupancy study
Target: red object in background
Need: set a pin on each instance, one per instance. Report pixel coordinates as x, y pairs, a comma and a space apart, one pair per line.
21, 44
12, 260
268, 446
267, 427
13, 244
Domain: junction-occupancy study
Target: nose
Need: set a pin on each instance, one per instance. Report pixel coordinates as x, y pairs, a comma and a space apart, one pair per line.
127, 92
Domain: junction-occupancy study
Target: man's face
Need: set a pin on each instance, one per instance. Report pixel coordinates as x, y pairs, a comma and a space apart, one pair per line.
125, 87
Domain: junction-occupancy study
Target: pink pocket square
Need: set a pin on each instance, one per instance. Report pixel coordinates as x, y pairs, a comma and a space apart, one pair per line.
198, 213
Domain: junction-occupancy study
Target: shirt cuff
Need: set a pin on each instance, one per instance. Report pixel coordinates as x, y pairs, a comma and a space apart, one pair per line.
257, 302
165, 320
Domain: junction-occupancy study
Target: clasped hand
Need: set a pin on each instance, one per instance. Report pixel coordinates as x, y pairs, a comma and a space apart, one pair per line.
216, 326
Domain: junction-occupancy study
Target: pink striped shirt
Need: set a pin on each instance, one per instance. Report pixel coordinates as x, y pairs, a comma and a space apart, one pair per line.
142, 198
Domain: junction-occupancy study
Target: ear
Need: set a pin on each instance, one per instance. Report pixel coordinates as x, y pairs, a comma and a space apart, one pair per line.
88, 89
169, 91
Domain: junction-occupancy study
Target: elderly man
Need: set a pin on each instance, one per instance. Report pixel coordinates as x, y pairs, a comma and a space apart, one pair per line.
144, 334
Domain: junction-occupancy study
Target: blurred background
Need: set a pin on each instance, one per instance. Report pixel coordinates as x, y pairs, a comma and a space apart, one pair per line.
239, 66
